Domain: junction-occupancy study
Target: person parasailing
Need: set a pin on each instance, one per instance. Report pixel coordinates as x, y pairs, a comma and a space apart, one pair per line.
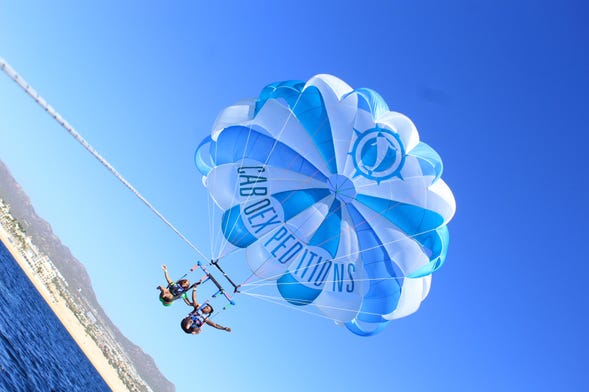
175, 290
193, 323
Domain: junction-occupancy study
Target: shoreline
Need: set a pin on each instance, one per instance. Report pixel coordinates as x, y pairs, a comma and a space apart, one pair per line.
67, 318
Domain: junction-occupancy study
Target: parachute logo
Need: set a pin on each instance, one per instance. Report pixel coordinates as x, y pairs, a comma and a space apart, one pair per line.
378, 154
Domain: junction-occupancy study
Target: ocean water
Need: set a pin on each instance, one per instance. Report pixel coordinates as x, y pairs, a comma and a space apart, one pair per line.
36, 351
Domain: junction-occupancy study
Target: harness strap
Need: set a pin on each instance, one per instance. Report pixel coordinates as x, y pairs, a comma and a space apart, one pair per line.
197, 316
176, 290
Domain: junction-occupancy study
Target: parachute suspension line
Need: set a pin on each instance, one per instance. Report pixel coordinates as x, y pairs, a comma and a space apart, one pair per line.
264, 164
212, 219
271, 283
277, 139
11, 73
253, 283
280, 301
224, 237
263, 282
222, 243
277, 301
220, 289
223, 240
215, 215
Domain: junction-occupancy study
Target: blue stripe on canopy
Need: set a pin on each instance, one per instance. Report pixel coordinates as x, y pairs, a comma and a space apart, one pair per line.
237, 143
429, 160
296, 201
413, 220
384, 292
437, 242
234, 230
311, 112
327, 235
356, 328
295, 292
423, 226
289, 90
202, 156
370, 101
309, 108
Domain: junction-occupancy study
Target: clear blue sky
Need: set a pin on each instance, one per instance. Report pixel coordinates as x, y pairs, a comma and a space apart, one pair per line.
498, 88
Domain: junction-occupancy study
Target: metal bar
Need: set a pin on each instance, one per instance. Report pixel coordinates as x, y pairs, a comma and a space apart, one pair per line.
235, 286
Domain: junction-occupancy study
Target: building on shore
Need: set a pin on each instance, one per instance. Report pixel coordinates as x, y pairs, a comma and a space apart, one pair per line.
57, 288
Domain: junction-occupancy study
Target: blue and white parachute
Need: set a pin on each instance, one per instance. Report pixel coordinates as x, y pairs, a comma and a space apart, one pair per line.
333, 196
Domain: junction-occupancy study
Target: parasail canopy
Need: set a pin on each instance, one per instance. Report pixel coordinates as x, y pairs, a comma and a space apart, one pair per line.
332, 196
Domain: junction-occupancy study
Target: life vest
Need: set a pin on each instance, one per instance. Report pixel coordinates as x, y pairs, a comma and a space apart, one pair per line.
198, 318
176, 290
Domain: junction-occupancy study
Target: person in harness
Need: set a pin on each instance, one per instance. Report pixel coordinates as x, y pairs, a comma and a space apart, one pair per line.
199, 316
174, 290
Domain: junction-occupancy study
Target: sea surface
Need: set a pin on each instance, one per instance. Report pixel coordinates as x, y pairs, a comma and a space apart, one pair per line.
36, 351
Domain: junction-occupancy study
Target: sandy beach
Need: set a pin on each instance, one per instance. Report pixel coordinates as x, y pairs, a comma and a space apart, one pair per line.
70, 322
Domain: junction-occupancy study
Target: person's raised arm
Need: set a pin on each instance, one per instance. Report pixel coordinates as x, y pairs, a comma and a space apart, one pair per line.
193, 303
218, 326
186, 300
165, 268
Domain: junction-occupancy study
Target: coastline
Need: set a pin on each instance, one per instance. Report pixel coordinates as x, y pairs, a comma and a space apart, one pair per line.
69, 321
